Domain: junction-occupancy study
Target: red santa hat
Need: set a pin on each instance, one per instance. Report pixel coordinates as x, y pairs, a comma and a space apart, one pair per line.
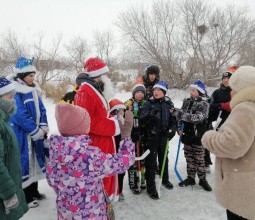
116, 104
95, 67
72, 119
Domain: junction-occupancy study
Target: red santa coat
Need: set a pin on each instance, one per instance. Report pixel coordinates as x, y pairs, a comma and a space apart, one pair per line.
102, 129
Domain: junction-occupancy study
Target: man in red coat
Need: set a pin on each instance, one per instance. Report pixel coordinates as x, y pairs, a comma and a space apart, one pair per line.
94, 93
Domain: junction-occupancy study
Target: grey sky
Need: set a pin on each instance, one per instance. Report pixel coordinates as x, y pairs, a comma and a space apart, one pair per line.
70, 17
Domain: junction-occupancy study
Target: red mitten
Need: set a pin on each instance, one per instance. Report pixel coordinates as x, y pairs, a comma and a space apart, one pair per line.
226, 106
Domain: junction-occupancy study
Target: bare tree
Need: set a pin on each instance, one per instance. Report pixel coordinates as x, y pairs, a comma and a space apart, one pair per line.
188, 40
49, 63
78, 49
105, 43
10, 50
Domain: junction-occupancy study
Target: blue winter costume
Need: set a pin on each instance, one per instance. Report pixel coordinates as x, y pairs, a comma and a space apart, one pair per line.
29, 124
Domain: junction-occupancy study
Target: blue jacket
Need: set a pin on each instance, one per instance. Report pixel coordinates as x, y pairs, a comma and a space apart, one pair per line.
28, 124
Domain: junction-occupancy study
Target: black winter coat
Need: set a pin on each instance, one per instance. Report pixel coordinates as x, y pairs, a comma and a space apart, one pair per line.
194, 116
155, 118
219, 96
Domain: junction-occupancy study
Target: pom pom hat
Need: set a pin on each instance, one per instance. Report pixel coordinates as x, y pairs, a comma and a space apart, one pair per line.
24, 67
198, 85
116, 104
72, 119
6, 87
138, 87
244, 77
162, 85
95, 67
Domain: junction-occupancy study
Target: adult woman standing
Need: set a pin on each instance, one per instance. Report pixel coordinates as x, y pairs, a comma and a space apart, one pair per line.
30, 126
234, 147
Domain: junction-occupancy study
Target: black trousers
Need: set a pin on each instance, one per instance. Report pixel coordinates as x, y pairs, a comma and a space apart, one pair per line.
120, 180
233, 216
31, 191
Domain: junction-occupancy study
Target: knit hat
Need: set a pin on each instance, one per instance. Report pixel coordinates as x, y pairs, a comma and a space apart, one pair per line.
116, 104
161, 85
95, 67
72, 119
229, 71
6, 87
198, 85
244, 77
138, 87
24, 67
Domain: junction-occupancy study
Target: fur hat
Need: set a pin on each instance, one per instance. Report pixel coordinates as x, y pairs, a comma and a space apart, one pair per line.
152, 69
198, 85
161, 85
95, 67
24, 67
229, 71
138, 87
116, 104
6, 87
72, 119
244, 77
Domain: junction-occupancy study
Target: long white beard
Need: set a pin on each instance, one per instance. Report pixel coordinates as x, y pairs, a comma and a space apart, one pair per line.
108, 88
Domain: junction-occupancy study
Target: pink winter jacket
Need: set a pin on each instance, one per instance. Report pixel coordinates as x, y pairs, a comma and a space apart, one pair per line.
234, 148
75, 172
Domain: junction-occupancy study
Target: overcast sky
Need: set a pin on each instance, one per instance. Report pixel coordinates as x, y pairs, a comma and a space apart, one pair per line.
70, 17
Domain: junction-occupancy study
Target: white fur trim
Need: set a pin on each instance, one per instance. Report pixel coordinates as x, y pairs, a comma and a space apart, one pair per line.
117, 126
99, 95
7, 89
98, 72
198, 88
117, 107
26, 69
159, 86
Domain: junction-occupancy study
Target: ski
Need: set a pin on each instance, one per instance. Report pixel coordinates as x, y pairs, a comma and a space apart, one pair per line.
143, 156
163, 168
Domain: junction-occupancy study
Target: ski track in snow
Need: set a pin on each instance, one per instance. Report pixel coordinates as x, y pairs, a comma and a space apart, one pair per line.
177, 204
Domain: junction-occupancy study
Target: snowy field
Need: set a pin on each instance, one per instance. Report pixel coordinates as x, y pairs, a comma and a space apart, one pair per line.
176, 204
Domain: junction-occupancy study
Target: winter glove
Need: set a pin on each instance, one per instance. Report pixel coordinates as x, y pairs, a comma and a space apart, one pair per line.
178, 114
225, 106
11, 203
39, 135
126, 128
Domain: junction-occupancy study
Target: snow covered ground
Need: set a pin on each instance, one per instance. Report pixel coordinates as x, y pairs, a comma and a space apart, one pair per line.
176, 204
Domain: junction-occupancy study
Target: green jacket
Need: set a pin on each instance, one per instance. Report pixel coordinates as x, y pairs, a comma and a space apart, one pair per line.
10, 170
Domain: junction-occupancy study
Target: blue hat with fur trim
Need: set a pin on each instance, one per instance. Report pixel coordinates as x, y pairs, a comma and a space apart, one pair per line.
6, 87
24, 67
161, 85
198, 85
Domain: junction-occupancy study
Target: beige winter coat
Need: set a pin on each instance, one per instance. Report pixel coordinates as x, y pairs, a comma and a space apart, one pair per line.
234, 148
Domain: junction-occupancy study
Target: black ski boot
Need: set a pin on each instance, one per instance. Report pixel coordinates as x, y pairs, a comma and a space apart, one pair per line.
135, 190
152, 193
205, 185
188, 182
168, 185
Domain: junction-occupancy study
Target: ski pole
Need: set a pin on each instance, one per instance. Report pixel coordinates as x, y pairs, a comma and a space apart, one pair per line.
163, 167
177, 157
139, 166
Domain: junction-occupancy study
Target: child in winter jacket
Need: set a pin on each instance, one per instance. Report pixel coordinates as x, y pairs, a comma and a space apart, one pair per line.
136, 181
12, 199
193, 115
76, 169
158, 124
117, 109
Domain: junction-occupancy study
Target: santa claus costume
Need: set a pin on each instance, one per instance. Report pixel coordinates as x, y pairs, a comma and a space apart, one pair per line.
102, 129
